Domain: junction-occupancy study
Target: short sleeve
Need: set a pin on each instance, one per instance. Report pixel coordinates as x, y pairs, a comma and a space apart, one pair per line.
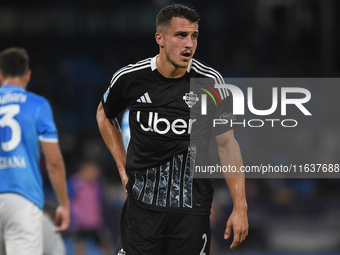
113, 99
45, 123
224, 113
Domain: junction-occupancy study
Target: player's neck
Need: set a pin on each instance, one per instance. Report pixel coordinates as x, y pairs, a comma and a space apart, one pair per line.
167, 69
18, 81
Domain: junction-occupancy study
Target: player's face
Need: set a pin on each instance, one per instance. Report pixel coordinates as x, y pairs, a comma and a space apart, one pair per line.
180, 42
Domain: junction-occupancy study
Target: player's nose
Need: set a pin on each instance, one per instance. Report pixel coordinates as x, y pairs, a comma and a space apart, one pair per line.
189, 42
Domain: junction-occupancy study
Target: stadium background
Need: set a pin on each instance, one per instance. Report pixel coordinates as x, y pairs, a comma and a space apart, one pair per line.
76, 46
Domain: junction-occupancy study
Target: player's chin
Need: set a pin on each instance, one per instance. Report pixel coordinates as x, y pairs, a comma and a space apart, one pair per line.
183, 64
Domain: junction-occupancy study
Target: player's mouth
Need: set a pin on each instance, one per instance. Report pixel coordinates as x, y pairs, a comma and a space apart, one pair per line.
186, 55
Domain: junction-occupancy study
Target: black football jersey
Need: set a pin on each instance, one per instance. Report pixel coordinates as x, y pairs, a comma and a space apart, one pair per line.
171, 124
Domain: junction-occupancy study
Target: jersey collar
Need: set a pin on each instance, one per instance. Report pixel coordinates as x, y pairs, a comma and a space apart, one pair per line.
154, 67
12, 87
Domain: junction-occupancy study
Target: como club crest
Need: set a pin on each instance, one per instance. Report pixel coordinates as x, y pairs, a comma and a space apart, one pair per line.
190, 99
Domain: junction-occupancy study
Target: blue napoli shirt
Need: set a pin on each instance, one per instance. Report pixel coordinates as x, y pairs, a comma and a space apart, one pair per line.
25, 119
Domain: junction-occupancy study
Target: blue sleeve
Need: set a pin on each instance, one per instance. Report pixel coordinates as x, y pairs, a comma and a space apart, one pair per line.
45, 123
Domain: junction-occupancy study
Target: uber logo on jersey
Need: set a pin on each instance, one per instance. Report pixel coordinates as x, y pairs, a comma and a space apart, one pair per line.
163, 126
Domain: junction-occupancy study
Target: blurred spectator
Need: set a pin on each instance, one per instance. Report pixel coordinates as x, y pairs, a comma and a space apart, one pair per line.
87, 224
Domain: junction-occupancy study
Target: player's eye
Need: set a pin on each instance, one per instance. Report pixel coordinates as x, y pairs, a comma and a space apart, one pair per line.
182, 34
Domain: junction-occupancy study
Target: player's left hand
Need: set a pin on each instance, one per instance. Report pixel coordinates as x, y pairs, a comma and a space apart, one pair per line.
62, 218
238, 221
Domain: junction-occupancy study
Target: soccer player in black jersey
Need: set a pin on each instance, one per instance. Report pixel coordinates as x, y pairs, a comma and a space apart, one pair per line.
167, 210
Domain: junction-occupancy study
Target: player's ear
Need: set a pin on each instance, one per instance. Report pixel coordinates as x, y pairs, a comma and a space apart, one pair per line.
28, 76
159, 39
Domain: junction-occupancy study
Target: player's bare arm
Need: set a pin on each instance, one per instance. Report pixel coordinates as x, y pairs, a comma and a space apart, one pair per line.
113, 139
56, 172
230, 154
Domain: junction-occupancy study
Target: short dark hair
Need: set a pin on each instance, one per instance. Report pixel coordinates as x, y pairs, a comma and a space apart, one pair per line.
14, 62
176, 10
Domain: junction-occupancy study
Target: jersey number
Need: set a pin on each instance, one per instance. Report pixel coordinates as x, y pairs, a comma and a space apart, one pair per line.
204, 236
7, 120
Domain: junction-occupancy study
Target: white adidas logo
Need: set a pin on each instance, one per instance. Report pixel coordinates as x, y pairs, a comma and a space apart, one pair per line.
121, 252
145, 99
